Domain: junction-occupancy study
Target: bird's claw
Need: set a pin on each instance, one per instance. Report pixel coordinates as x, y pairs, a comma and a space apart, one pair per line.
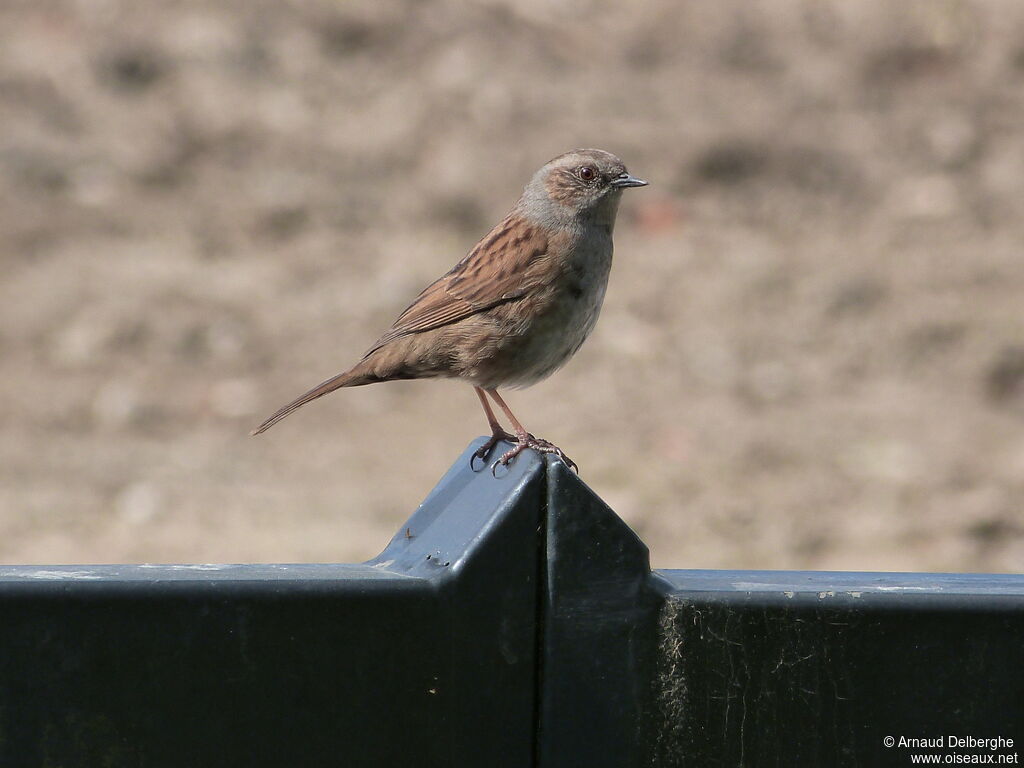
483, 451
537, 444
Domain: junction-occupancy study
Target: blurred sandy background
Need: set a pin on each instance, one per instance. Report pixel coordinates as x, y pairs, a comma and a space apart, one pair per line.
812, 349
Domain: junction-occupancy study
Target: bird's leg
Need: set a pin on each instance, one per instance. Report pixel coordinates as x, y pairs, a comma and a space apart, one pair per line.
525, 440
498, 434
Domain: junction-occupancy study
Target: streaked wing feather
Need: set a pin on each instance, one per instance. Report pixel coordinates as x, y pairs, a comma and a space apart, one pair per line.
496, 271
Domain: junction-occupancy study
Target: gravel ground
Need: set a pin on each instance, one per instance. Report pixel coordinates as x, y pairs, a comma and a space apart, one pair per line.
812, 348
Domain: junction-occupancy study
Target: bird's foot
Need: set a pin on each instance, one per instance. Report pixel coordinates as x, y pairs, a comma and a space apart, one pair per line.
537, 444
484, 450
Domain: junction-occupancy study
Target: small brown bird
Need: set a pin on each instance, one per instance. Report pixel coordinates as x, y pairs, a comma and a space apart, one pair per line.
517, 307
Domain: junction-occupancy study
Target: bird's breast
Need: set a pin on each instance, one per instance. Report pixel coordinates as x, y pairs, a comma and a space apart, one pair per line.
559, 318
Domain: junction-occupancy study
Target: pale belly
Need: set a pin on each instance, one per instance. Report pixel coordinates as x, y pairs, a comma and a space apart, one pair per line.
551, 339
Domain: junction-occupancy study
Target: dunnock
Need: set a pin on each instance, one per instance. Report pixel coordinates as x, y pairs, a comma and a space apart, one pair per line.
517, 307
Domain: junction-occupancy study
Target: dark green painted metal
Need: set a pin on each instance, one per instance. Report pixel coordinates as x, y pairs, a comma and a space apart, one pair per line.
817, 669
425, 655
600, 631
513, 621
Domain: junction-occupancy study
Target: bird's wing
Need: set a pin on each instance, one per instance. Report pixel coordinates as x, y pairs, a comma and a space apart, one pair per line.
501, 268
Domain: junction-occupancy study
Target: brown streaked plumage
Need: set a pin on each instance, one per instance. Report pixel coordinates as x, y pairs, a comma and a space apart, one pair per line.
517, 307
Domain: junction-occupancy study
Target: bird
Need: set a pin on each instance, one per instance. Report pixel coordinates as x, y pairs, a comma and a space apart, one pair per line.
516, 308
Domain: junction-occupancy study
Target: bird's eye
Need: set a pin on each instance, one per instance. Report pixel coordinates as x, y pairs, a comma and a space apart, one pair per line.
587, 173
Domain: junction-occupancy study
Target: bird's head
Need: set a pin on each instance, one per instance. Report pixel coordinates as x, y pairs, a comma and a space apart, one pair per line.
583, 183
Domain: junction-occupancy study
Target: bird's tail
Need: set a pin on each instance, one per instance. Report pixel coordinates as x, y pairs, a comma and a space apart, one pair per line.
351, 378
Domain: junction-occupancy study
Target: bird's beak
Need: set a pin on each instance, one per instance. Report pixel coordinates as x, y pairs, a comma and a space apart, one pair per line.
624, 180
